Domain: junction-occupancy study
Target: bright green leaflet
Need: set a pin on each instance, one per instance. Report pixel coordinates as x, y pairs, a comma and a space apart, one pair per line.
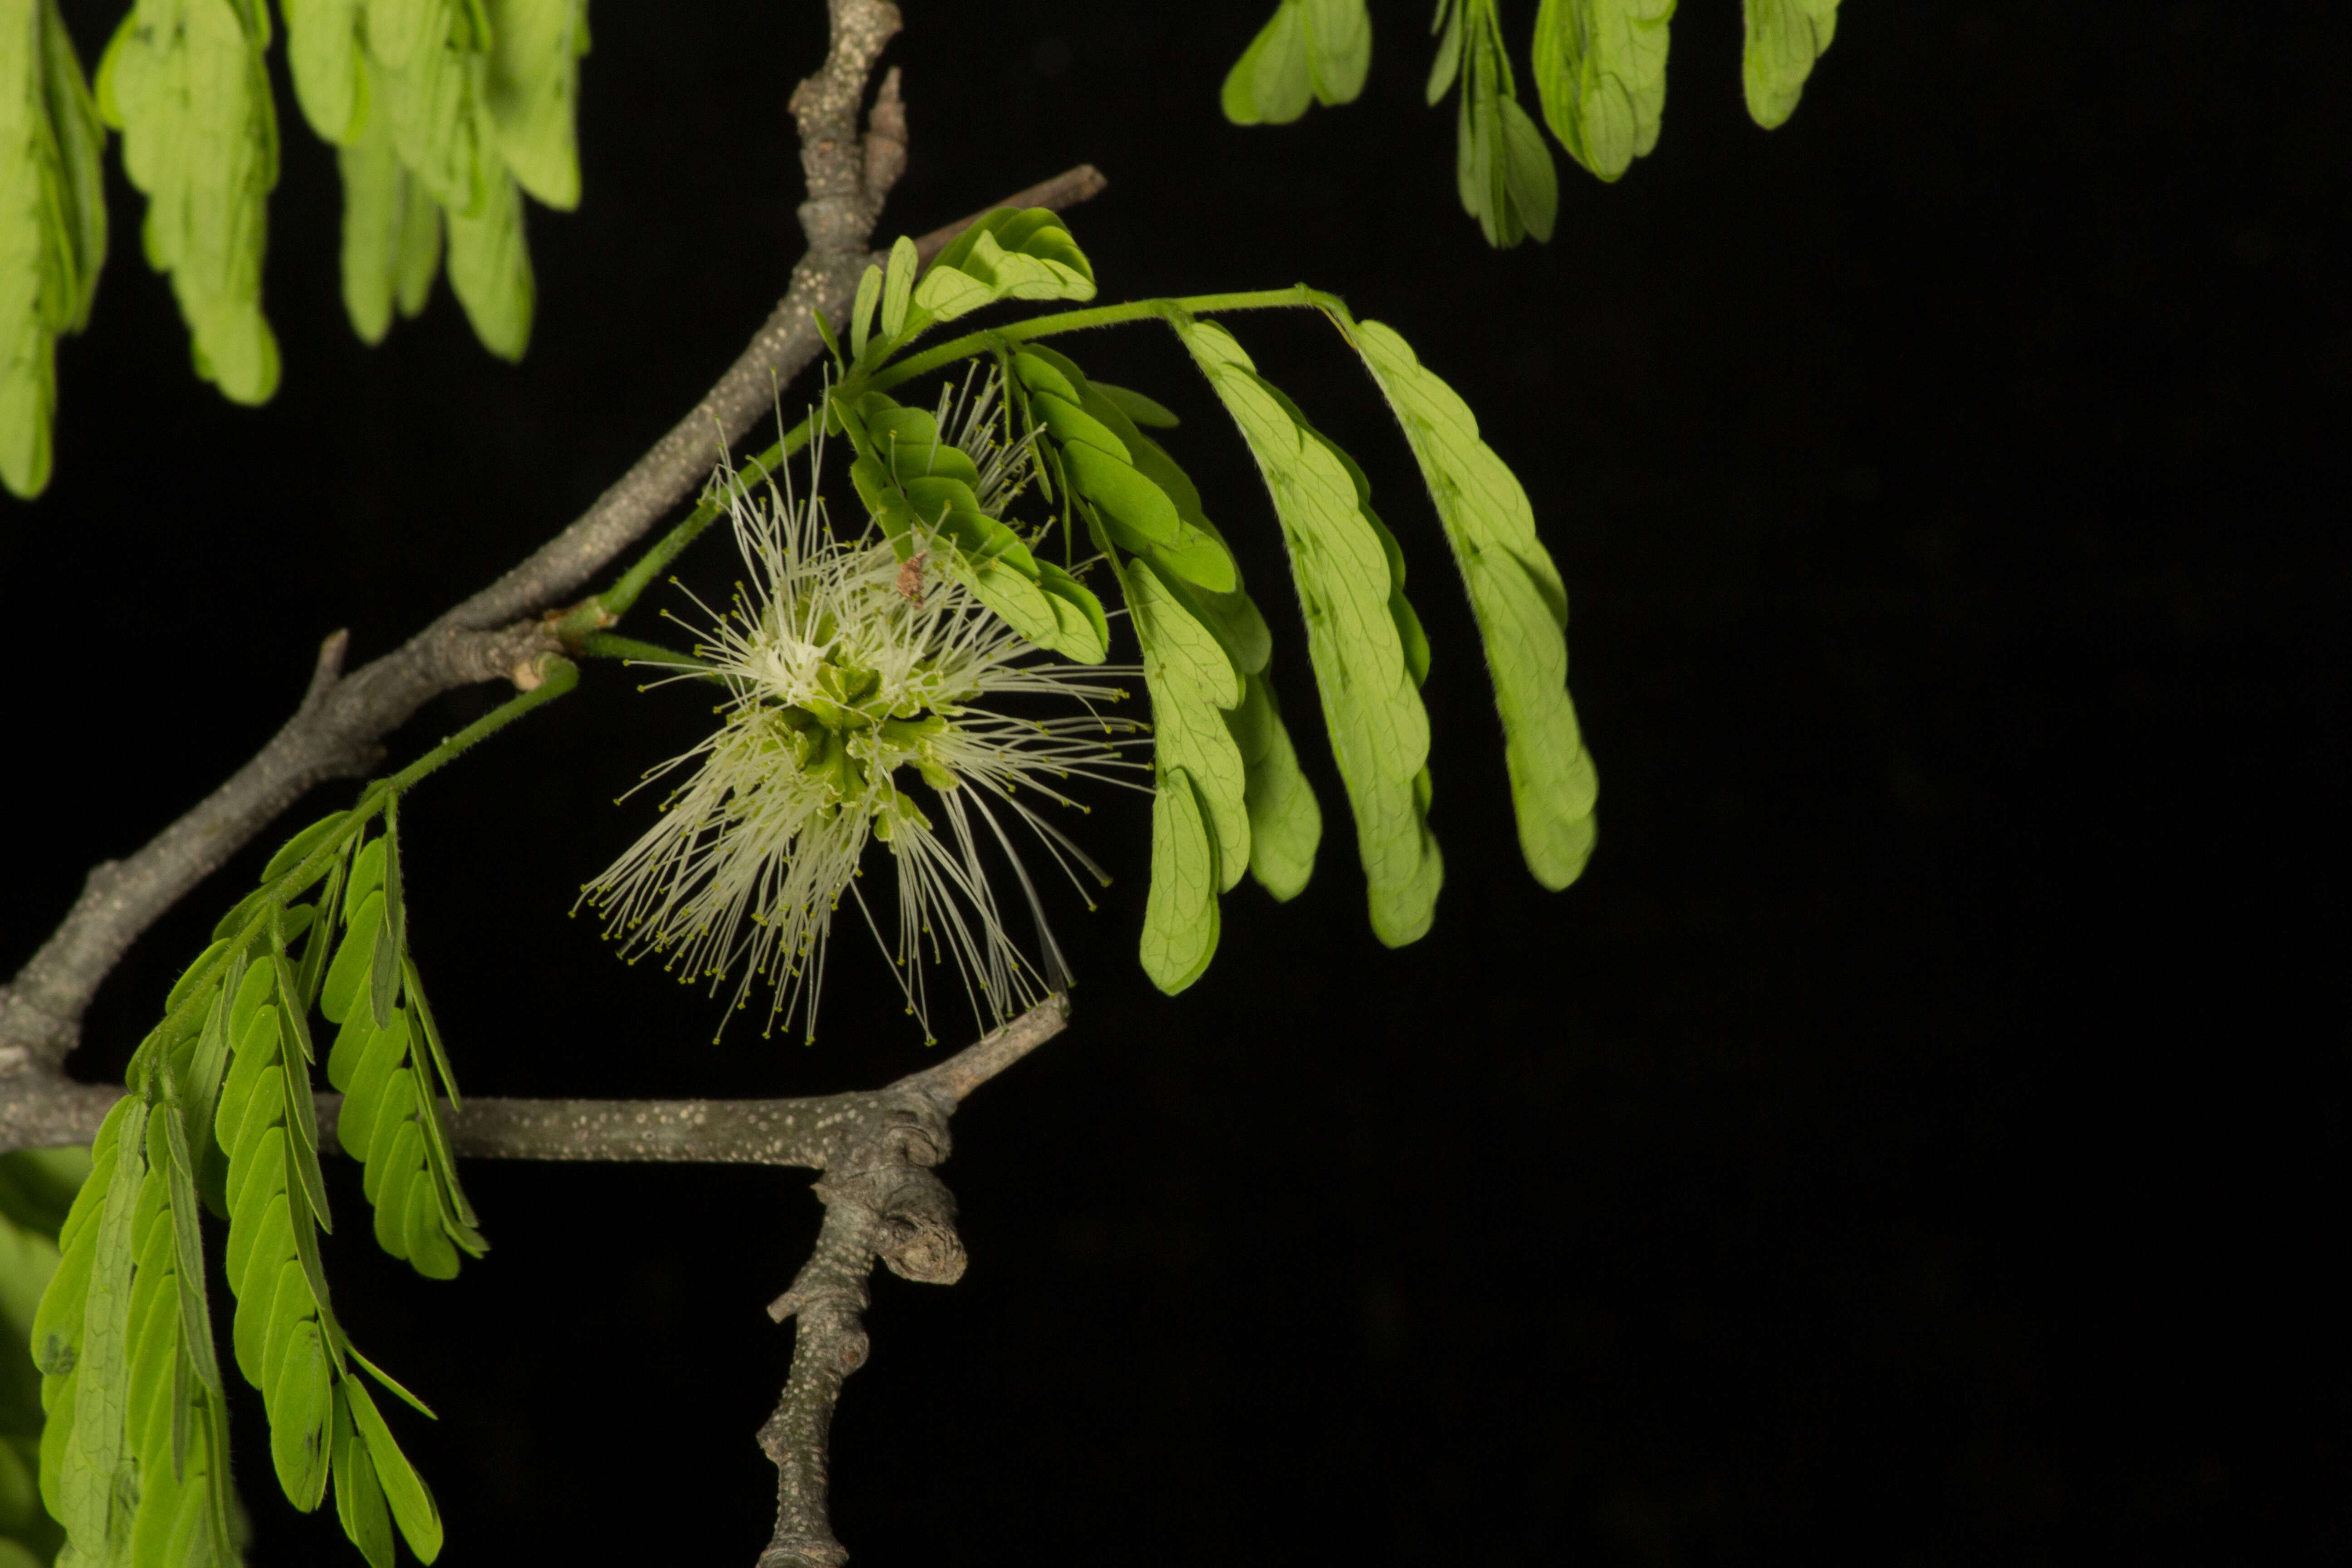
133, 1453
1180, 922
1502, 170
1601, 71
322, 51
38, 1189
1285, 822
1308, 50
534, 93
1520, 600
1784, 38
184, 82
52, 226
1380, 733
95, 1485
489, 269
1193, 685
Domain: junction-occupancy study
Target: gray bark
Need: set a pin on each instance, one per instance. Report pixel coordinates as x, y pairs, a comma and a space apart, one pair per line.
876, 1150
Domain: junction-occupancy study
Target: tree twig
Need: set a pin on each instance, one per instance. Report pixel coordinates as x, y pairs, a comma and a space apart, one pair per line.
339, 730
876, 1150
882, 1200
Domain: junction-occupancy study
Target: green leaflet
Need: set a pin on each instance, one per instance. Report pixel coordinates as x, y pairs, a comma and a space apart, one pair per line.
411, 1504
1501, 166
431, 81
52, 226
1521, 603
37, 1190
184, 82
463, 105
388, 1072
134, 1459
98, 1483
1179, 914
392, 233
899, 285
1601, 72
489, 270
1285, 824
1192, 682
1318, 49
359, 1495
1007, 255
1784, 38
1145, 501
534, 93
1142, 410
919, 488
1339, 565
324, 51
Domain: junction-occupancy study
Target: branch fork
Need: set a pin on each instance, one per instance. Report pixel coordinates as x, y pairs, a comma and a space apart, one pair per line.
882, 1197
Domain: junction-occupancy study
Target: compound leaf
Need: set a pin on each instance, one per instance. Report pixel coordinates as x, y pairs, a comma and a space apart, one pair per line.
1519, 599
1380, 731
185, 82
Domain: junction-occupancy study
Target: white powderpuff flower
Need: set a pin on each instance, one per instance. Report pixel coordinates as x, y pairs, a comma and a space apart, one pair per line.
865, 702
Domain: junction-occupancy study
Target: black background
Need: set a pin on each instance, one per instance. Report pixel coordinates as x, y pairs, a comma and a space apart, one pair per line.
1920, 1136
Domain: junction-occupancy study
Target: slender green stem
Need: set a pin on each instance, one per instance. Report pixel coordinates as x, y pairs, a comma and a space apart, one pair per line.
592, 614
601, 610
1295, 297
557, 677
607, 645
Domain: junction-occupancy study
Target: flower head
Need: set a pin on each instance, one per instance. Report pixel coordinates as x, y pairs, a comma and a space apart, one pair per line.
866, 702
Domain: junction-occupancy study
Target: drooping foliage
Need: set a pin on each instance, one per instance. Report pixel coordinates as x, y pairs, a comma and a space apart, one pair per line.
1228, 793
220, 1117
52, 226
1600, 75
444, 114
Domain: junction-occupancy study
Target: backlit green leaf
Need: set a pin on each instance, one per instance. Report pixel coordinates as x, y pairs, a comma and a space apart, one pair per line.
489, 269
1272, 83
1601, 72
1007, 255
1285, 823
1179, 914
1380, 733
185, 82
359, 1495
534, 93
1518, 596
1784, 38
411, 1504
323, 50
96, 1482
1192, 681
52, 226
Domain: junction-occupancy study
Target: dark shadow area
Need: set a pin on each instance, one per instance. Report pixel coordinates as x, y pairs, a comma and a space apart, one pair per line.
1919, 1136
